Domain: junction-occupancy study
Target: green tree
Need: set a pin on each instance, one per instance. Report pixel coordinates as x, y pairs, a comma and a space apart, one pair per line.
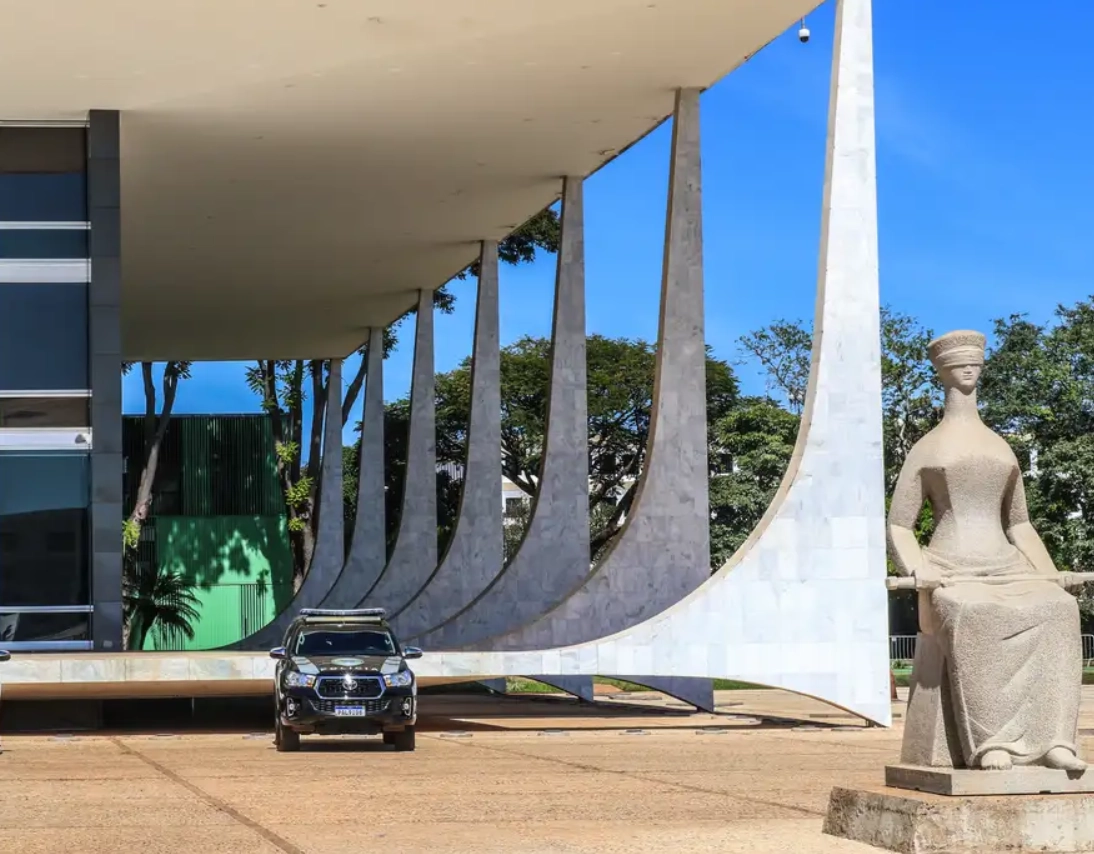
158, 600
158, 408
620, 392
751, 444
1037, 391
911, 397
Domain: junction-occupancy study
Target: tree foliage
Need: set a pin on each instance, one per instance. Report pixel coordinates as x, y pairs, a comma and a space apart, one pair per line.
1038, 392
139, 617
752, 444
620, 393
911, 397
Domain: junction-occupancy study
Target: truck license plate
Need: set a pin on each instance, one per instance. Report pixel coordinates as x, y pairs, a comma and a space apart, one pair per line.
349, 711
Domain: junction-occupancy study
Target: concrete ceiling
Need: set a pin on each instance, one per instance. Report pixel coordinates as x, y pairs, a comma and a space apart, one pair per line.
293, 170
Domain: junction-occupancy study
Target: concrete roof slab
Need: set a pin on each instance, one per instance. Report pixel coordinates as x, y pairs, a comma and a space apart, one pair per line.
294, 170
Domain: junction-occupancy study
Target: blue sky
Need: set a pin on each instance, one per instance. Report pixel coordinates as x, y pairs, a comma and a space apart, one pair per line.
985, 191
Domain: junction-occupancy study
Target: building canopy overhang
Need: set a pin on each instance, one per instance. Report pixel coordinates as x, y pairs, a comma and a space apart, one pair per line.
294, 171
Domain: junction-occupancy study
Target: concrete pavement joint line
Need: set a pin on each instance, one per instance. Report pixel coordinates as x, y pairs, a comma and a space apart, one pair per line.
217, 804
685, 786
835, 743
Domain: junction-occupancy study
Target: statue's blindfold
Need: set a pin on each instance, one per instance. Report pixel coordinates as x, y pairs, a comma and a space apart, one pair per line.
960, 356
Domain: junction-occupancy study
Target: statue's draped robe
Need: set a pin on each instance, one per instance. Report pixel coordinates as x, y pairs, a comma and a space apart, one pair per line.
1014, 656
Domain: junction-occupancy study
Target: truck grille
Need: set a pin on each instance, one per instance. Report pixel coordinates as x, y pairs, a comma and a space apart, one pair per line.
361, 687
371, 707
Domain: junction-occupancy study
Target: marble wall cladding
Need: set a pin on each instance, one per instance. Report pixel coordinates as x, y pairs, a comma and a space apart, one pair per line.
663, 552
414, 558
802, 604
475, 553
368, 547
329, 553
553, 558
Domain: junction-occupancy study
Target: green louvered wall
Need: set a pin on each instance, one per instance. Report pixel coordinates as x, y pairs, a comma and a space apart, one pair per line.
218, 519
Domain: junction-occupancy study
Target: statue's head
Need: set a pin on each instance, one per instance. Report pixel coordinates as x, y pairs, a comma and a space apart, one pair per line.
958, 357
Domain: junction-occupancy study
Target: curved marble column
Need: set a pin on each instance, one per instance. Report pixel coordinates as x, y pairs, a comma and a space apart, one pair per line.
663, 552
368, 547
475, 552
414, 557
802, 604
329, 552
553, 557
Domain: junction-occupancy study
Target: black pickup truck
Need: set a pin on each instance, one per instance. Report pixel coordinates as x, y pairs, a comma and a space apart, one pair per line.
344, 672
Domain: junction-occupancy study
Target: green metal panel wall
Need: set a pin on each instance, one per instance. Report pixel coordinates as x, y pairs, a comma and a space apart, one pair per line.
210, 465
241, 569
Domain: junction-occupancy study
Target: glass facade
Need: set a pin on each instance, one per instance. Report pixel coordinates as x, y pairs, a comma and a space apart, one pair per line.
43, 337
44, 500
45, 412
45, 440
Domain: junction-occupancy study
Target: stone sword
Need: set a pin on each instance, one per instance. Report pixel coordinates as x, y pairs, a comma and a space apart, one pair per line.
1064, 579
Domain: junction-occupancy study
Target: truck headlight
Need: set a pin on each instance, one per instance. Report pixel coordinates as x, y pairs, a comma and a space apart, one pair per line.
399, 680
298, 680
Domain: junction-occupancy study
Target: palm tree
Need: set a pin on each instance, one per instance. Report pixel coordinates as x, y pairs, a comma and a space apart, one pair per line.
154, 598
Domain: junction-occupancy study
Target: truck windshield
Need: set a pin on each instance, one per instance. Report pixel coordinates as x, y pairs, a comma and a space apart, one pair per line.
345, 642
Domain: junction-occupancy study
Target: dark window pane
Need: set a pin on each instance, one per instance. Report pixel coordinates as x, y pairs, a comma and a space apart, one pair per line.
43, 149
43, 627
43, 337
43, 197
21, 412
43, 243
43, 528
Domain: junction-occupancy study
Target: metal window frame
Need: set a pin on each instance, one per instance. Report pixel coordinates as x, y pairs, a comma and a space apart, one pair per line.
45, 225
49, 646
32, 439
45, 123
32, 271
33, 392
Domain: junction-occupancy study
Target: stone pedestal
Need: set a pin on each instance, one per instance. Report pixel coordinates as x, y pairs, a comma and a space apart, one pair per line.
961, 782
920, 823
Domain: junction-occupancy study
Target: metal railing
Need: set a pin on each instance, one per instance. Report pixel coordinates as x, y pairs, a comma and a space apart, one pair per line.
902, 648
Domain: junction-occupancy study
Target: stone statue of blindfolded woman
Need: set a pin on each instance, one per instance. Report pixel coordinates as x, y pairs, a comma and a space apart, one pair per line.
999, 662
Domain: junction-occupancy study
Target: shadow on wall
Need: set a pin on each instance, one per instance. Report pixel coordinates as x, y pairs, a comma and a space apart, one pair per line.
240, 568
218, 550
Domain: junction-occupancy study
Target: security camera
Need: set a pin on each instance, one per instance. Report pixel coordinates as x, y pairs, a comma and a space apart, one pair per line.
803, 34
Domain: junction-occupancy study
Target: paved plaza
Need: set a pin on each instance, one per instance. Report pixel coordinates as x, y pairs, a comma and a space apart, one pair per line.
490, 775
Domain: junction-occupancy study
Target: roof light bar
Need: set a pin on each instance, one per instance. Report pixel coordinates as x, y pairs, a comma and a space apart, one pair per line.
351, 612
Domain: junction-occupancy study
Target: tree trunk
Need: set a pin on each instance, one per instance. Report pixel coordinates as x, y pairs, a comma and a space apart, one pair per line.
355, 386
614, 525
154, 431
138, 631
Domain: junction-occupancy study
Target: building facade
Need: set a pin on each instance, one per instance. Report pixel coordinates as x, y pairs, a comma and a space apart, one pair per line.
60, 387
